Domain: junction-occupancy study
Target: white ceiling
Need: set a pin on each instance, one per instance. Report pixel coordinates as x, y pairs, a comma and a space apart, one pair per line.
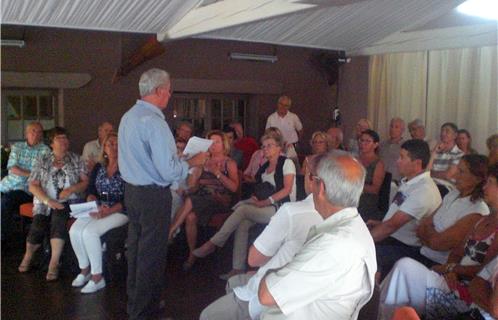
355, 26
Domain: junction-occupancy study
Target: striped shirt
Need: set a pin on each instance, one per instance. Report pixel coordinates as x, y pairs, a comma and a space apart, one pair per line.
444, 160
23, 156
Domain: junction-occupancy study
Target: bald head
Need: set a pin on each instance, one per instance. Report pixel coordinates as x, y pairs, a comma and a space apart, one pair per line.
343, 178
283, 105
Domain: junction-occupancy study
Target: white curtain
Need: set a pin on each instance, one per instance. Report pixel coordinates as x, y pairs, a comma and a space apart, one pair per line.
397, 84
462, 88
457, 85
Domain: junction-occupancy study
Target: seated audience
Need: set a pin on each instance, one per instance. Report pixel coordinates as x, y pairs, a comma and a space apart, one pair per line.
336, 138
332, 276
184, 130
464, 142
93, 149
417, 196
492, 143
248, 145
280, 173
389, 149
216, 183
107, 187
276, 246
14, 186
461, 208
484, 292
58, 179
417, 131
442, 292
235, 153
320, 142
445, 157
361, 125
369, 200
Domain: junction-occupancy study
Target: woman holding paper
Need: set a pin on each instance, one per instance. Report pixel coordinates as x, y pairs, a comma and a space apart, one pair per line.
215, 184
57, 180
106, 186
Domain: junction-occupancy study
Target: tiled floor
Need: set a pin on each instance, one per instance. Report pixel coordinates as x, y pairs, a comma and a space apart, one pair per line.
29, 296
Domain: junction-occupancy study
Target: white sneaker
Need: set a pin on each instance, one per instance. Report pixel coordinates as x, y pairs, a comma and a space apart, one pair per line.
92, 287
81, 280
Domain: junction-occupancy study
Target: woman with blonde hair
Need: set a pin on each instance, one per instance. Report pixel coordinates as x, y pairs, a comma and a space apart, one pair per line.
214, 186
320, 143
107, 187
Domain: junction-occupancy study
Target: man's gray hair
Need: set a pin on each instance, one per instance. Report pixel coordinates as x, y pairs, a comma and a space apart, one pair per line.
343, 177
416, 123
151, 79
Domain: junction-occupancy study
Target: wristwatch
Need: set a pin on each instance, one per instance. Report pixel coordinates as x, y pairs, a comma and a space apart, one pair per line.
218, 176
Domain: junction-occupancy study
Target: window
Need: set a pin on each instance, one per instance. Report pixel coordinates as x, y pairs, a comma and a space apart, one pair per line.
20, 107
208, 112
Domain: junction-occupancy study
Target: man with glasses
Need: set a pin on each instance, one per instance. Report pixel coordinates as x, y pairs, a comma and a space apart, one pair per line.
332, 276
290, 126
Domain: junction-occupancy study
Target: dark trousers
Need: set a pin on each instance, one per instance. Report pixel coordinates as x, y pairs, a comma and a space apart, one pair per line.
10, 207
55, 225
149, 211
391, 250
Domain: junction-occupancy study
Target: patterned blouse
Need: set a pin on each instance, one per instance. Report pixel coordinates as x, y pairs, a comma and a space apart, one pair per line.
53, 180
23, 156
107, 189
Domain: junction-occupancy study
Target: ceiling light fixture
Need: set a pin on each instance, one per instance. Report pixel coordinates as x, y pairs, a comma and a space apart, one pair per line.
12, 43
487, 9
253, 57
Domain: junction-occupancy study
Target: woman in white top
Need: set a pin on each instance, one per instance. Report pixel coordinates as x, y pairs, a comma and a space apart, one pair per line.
459, 211
279, 172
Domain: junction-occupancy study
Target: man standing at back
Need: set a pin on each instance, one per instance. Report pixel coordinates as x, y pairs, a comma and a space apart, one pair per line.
389, 149
149, 164
289, 124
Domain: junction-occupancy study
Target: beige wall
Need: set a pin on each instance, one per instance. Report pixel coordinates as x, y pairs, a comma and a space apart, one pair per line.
100, 54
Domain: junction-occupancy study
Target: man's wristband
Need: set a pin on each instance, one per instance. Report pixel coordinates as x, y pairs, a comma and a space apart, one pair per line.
450, 267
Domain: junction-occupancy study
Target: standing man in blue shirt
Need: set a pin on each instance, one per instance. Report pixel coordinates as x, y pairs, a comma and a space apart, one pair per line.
149, 164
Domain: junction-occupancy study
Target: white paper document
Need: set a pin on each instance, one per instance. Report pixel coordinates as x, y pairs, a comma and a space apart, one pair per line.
196, 145
82, 210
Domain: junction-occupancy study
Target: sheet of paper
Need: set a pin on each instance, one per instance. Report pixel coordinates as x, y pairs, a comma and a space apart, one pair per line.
82, 210
196, 145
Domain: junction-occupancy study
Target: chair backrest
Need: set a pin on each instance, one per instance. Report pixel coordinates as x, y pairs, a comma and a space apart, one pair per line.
384, 191
300, 192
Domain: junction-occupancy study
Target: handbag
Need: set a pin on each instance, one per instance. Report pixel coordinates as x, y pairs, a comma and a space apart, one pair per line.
263, 190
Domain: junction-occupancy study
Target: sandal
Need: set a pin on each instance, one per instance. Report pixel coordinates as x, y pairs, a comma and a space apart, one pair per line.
52, 275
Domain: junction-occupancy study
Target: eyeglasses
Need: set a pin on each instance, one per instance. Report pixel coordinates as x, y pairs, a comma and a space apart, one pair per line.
312, 177
318, 142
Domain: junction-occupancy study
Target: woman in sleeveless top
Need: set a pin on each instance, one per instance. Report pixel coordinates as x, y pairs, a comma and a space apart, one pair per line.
442, 293
214, 186
375, 172
278, 171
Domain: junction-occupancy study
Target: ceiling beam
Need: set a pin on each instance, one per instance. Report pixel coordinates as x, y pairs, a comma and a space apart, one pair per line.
228, 13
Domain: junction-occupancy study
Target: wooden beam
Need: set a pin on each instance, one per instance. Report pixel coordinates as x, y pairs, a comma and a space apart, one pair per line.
151, 49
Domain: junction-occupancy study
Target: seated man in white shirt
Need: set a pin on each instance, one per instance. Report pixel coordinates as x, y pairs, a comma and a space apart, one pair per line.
417, 197
332, 277
93, 149
282, 238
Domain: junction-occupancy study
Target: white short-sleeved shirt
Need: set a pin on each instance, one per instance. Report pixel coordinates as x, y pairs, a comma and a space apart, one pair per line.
289, 168
332, 276
92, 151
416, 197
452, 209
282, 238
287, 124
